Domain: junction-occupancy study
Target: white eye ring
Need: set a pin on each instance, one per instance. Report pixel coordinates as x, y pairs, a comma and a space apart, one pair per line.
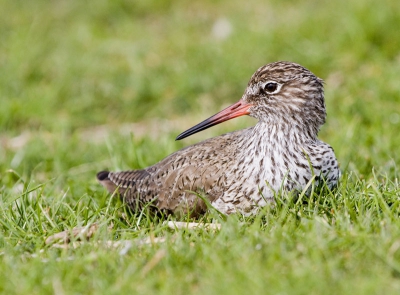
270, 87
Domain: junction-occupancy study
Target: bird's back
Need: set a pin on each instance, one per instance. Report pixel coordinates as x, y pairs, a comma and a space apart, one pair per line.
171, 184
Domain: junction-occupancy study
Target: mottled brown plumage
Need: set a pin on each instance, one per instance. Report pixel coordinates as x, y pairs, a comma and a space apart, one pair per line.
241, 171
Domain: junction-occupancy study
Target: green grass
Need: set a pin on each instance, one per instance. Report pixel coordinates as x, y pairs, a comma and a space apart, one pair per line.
109, 84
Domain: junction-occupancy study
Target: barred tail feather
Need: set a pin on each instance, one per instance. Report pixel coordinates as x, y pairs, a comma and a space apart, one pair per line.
102, 177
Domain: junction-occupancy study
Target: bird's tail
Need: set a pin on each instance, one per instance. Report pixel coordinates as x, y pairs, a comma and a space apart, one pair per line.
105, 181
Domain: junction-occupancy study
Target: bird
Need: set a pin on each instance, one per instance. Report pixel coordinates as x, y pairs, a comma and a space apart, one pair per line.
242, 171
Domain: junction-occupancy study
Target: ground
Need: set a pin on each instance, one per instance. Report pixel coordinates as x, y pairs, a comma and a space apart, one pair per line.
87, 86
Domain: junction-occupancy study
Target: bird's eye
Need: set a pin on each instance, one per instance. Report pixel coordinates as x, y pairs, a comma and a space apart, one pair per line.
270, 87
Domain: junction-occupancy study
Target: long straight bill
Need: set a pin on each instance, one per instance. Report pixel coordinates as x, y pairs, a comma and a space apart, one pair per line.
238, 109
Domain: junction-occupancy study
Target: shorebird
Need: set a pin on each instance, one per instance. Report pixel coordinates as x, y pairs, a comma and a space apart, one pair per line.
243, 170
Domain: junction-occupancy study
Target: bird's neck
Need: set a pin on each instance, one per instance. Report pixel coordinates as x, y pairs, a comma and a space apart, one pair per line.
283, 134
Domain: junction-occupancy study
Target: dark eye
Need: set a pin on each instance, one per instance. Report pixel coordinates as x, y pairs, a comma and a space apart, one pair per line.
270, 87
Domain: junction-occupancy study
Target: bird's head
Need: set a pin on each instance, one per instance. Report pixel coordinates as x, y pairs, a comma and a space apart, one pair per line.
282, 93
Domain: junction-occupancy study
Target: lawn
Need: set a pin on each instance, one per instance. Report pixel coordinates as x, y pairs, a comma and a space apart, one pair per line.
87, 86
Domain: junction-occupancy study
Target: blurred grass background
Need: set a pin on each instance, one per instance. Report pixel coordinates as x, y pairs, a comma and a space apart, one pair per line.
71, 65
88, 85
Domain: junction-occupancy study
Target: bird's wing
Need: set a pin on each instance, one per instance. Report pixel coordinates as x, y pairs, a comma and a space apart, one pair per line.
199, 168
